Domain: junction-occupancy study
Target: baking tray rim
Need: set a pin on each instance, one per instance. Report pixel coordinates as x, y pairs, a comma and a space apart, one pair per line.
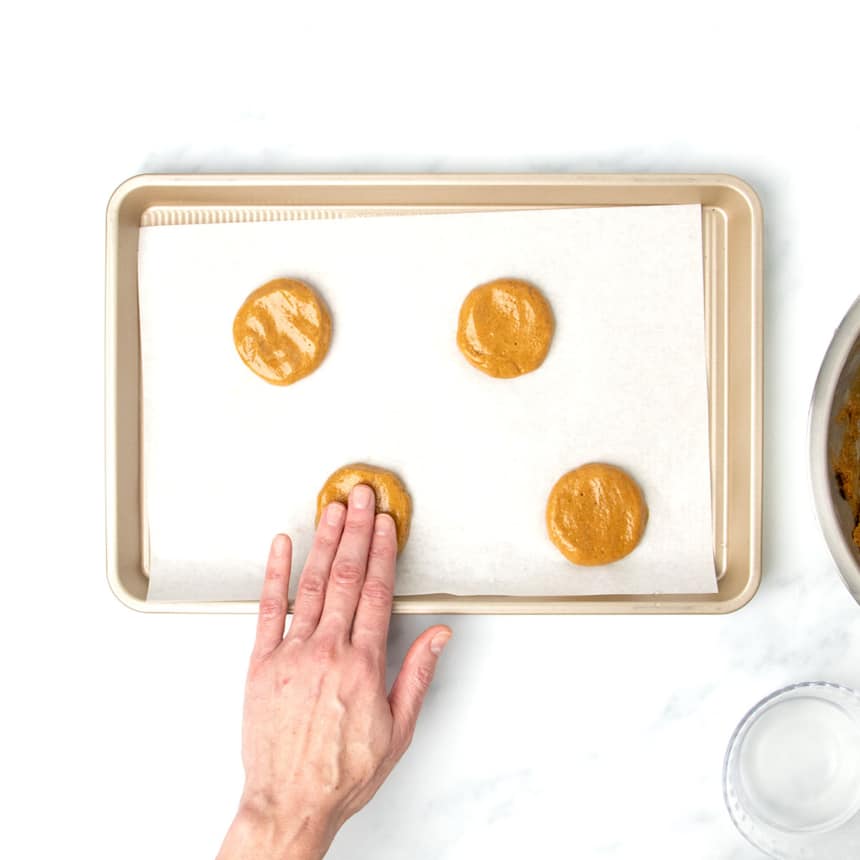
446, 603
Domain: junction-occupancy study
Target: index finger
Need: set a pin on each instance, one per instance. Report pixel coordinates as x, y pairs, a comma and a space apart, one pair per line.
373, 616
272, 612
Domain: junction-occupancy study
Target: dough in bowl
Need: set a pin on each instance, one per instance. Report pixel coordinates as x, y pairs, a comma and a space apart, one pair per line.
596, 514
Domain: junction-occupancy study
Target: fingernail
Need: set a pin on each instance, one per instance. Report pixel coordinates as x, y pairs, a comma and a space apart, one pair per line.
361, 496
334, 514
279, 545
439, 641
384, 525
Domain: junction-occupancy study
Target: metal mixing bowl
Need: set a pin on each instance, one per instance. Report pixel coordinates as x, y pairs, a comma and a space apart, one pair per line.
839, 370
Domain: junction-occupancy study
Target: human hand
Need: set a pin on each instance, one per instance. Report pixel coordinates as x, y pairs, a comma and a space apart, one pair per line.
320, 734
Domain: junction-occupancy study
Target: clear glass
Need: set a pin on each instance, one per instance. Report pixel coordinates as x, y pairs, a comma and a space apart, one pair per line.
791, 778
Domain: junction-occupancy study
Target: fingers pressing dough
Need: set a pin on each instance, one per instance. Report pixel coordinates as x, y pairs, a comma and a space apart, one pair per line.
391, 495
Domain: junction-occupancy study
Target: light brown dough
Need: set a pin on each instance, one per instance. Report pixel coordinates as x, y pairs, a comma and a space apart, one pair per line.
282, 331
391, 495
846, 463
596, 514
505, 328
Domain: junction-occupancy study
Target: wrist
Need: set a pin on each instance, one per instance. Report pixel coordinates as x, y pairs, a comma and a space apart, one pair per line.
259, 831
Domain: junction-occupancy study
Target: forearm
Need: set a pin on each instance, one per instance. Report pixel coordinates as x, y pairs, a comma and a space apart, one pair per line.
257, 836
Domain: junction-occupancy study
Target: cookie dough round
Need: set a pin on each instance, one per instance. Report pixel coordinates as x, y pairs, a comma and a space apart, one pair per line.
505, 328
596, 514
282, 331
391, 496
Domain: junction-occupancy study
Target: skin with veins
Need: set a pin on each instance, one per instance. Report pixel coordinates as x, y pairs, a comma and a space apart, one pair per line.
505, 328
846, 464
282, 331
392, 496
320, 731
596, 514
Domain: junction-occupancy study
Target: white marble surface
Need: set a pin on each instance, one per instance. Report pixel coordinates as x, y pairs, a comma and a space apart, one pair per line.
547, 737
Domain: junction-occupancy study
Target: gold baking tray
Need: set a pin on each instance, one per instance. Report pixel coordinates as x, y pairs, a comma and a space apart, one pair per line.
732, 248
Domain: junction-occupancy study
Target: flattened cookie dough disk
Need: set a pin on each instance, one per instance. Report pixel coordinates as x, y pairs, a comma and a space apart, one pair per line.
505, 328
596, 514
391, 496
282, 331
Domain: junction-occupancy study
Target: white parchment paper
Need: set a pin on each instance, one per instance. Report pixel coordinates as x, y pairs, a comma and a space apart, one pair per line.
229, 460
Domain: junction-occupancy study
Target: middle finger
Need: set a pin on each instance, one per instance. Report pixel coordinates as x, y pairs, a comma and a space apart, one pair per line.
350, 563
314, 579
